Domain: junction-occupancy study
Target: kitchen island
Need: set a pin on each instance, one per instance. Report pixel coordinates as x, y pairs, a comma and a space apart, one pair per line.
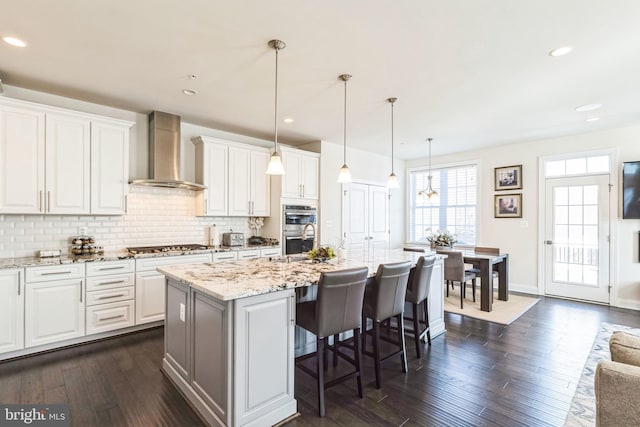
230, 332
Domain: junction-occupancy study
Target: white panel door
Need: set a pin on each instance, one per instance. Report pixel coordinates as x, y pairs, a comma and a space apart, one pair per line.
365, 219
54, 311
310, 168
291, 185
216, 179
11, 310
577, 238
150, 298
239, 181
260, 184
264, 361
109, 168
67, 168
21, 160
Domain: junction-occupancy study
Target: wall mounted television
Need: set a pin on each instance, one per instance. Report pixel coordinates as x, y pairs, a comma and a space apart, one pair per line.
631, 190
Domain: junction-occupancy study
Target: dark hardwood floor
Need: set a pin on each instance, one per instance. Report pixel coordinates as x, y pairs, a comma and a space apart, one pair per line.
477, 374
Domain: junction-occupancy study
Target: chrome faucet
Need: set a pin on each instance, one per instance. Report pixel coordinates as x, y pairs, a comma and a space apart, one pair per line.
304, 233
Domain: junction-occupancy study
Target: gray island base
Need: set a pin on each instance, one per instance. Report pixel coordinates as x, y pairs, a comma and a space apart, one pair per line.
230, 334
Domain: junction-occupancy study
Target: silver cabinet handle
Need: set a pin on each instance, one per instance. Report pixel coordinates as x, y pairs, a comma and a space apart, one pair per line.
293, 308
112, 282
111, 317
81, 289
126, 204
50, 273
48, 201
111, 296
19, 281
41, 202
206, 205
302, 190
117, 267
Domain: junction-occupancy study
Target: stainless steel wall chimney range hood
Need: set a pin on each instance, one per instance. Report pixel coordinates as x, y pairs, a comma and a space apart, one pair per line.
164, 154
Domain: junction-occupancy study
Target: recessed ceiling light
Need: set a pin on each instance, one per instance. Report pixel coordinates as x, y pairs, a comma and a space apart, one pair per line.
592, 119
588, 107
189, 92
288, 120
561, 51
13, 41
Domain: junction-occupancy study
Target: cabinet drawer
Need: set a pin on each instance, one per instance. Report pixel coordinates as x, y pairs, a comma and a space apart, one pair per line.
248, 254
108, 282
55, 272
107, 317
147, 264
110, 295
225, 256
110, 267
270, 252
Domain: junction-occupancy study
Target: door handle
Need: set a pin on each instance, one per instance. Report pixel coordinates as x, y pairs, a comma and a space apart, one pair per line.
548, 242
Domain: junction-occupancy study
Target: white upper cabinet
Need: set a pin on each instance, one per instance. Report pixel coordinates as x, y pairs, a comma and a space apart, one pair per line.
67, 164
21, 160
212, 170
301, 178
235, 177
109, 167
61, 162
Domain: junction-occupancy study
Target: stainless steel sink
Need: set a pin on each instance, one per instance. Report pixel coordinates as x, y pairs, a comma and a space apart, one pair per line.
289, 258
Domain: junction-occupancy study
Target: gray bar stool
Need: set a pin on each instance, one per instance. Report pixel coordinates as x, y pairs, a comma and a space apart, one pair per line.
417, 293
384, 299
337, 309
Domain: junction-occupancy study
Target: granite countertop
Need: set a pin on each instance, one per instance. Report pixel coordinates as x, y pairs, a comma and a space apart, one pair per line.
34, 261
240, 279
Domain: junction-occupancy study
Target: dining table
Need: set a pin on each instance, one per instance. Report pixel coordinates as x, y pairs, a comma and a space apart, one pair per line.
486, 262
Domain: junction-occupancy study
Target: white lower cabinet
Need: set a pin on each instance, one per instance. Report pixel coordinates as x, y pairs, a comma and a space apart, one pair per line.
110, 296
150, 285
54, 311
110, 316
11, 310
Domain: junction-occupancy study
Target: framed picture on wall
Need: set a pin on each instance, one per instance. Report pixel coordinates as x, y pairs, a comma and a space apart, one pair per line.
508, 178
508, 205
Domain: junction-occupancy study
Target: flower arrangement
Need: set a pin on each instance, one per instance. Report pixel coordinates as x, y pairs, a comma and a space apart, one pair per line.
441, 238
321, 254
256, 223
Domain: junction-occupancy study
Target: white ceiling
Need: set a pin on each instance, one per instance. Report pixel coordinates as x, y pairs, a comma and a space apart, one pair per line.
469, 73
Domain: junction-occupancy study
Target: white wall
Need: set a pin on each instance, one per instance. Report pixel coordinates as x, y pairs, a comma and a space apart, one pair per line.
366, 168
523, 243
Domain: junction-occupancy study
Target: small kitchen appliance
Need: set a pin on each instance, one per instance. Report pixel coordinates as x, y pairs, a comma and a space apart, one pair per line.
232, 239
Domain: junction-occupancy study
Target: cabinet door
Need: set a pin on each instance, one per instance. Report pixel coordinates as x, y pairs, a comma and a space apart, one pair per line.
21, 160
215, 168
54, 311
11, 310
109, 168
264, 355
291, 185
149, 297
176, 328
239, 181
67, 164
260, 184
309, 176
436, 299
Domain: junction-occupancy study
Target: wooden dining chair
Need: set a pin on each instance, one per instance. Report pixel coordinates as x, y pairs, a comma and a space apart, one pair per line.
454, 271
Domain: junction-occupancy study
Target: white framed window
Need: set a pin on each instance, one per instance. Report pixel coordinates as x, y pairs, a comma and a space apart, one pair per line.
454, 209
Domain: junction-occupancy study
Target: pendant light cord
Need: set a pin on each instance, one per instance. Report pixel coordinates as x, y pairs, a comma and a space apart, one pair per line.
430, 157
392, 137
344, 137
275, 117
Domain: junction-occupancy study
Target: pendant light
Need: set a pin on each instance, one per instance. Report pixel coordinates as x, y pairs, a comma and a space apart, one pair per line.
429, 191
392, 182
275, 163
345, 175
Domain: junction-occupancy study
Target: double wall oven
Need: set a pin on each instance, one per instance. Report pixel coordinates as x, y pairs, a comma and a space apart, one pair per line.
294, 220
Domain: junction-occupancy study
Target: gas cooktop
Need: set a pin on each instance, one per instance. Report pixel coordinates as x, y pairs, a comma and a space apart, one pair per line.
166, 248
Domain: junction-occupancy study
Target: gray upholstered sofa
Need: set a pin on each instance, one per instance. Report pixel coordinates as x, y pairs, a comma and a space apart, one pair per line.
617, 383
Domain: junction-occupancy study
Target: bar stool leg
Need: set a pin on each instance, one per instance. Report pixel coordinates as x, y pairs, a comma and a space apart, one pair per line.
364, 333
426, 320
336, 343
376, 351
320, 349
357, 356
416, 330
403, 353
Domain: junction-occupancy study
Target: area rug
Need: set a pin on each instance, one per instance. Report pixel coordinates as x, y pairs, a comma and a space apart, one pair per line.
582, 412
503, 312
